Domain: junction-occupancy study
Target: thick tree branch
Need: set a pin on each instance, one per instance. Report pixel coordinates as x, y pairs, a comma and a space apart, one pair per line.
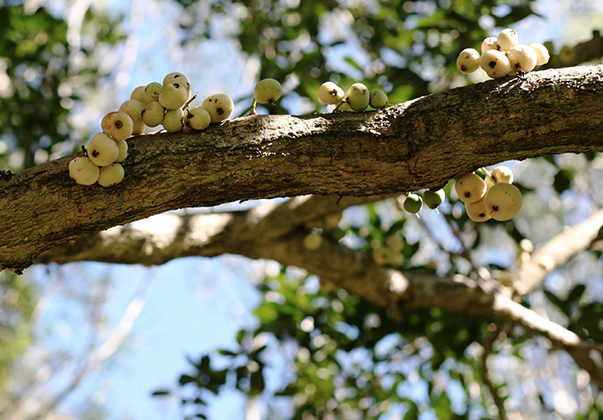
418, 144
556, 253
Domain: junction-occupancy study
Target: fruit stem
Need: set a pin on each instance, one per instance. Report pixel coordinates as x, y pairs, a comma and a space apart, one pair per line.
185, 106
252, 109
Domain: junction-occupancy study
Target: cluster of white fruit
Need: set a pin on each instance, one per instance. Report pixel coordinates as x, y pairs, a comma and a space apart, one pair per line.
150, 106
491, 198
503, 54
358, 96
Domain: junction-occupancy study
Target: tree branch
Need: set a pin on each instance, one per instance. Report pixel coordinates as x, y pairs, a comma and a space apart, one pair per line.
556, 253
419, 144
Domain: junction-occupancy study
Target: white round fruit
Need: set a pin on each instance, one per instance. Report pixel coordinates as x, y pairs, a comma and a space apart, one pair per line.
134, 109
495, 64
470, 188
267, 91
490, 44
219, 106
478, 211
197, 118
502, 174
358, 97
123, 151
83, 171
503, 201
102, 150
152, 91
153, 113
312, 241
138, 94
330, 94
542, 54
111, 175
468, 60
118, 125
507, 39
176, 77
172, 121
377, 98
173, 96
523, 58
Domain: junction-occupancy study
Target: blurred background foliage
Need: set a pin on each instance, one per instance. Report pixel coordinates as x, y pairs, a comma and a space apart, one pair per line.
316, 352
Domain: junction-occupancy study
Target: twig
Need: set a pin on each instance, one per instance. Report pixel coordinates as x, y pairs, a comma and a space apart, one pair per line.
488, 343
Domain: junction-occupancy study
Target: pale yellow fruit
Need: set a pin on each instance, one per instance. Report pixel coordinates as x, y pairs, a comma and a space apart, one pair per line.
468, 60
490, 44
197, 118
267, 91
358, 97
172, 121
523, 58
123, 151
378, 98
83, 171
134, 109
495, 64
111, 175
507, 39
173, 96
152, 91
502, 174
542, 54
153, 113
312, 241
118, 125
138, 94
478, 211
102, 150
330, 93
219, 106
176, 77
503, 201
470, 188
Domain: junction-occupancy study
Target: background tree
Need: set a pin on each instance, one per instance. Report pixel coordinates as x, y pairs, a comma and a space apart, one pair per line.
408, 338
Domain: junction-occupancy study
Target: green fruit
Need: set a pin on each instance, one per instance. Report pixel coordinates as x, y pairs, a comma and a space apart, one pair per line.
413, 203
378, 98
433, 199
267, 91
358, 97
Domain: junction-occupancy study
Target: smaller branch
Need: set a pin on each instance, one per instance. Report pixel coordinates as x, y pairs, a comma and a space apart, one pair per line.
578, 54
557, 252
488, 343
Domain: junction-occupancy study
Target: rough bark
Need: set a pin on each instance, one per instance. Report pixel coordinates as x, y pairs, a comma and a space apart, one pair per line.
419, 144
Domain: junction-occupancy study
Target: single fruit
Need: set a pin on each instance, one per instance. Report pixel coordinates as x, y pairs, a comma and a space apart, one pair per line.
470, 188
377, 98
153, 113
138, 94
197, 118
134, 109
542, 54
152, 91
312, 241
502, 174
123, 151
172, 121
477, 211
102, 150
83, 171
507, 39
176, 77
267, 91
118, 125
433, 199
495, 64
523, 57
358, 97
413, 203
490, 44
111, 175
468, 60
173, 96
503, 201
219, 106
330, 93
